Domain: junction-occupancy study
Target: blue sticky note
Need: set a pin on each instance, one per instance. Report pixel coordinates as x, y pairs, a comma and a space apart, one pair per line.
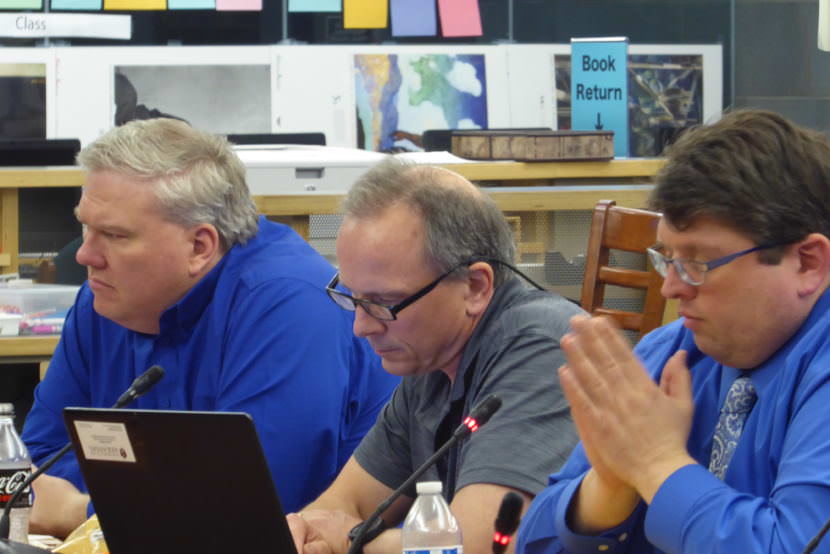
599, 88
313, 5
93, 5
413, 18
191, 4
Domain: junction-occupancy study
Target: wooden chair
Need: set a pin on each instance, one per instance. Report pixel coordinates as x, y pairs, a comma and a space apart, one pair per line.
630, 230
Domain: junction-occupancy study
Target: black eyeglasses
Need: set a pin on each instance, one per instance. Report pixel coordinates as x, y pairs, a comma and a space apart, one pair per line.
382, 311
694, 272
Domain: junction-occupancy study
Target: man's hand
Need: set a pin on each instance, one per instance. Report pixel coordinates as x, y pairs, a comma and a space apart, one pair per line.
59, 507
633, 430
321, 531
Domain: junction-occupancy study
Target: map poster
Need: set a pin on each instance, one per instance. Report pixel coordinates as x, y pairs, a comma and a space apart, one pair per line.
399, 96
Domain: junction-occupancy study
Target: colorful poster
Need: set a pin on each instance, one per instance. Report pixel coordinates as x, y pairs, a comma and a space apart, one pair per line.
365, 14
399, 96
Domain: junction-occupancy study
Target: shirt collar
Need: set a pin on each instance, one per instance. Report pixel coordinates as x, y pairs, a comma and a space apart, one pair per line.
185, 313
502, 296
763, 375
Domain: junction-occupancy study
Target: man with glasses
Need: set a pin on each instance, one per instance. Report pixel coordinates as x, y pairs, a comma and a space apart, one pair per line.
425, 264
712, 434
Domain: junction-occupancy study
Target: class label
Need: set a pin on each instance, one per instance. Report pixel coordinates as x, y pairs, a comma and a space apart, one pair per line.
599, 88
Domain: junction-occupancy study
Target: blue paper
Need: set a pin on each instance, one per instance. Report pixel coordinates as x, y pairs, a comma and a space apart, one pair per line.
413, 18
92, 5
313, 5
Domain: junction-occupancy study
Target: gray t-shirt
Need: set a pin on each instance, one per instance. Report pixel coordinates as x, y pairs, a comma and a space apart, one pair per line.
513, 353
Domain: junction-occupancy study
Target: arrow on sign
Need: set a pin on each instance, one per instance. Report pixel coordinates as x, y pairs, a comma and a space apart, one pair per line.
598, 125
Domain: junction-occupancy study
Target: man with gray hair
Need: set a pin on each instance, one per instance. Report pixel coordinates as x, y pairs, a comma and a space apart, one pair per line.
182, 273
424, 262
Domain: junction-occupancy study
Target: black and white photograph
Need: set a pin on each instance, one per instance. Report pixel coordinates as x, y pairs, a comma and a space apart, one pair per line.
222, 99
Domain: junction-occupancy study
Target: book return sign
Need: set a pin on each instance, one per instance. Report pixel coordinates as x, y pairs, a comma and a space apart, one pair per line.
599, 88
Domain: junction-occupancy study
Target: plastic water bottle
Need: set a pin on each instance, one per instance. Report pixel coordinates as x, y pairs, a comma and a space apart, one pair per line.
15, 467
430, 527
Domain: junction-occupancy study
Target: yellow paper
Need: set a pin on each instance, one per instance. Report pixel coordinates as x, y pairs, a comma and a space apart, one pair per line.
365, 14
132, 5
824, 25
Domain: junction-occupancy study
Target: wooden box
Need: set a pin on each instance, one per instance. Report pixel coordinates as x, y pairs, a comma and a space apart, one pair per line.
537, 146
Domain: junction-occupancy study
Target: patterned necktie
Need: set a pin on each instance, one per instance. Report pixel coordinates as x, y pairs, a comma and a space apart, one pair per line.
739, 402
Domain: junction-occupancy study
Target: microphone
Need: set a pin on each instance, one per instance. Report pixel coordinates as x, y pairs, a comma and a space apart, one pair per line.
374, 524
141, 385
507, 521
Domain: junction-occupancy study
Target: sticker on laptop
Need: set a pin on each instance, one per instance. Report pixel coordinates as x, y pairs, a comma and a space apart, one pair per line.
101, 440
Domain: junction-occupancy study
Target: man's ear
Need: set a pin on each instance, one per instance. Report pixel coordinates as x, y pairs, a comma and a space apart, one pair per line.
480, 283
813, 263
205, 248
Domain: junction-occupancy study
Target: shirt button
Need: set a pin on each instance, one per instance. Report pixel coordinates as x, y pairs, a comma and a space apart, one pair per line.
623, 537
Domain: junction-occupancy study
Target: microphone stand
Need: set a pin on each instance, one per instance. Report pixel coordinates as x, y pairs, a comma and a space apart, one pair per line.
141, 385
374, 524
813, 544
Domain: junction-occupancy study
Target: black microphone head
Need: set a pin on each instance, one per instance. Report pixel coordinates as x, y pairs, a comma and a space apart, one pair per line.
510, 513
485, 409
147, 380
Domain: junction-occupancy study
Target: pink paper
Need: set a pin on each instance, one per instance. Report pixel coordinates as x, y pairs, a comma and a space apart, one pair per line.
460, 18
239, 5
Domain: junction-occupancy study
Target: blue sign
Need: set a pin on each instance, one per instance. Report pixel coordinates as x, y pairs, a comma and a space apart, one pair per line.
599, 88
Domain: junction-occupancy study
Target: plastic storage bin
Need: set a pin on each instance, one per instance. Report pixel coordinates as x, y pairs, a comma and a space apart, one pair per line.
37, 300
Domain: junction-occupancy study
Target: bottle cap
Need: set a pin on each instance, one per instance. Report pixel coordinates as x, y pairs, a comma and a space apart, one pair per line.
428, 487
6, 408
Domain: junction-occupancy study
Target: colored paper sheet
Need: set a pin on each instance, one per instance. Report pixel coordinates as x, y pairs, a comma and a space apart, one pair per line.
94, 5
239, 5
191, 4
460, 18
21, 4
313, 5
365, 14
413, 18
133, 5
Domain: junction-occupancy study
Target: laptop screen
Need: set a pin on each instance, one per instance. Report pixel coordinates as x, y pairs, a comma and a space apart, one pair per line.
175, 481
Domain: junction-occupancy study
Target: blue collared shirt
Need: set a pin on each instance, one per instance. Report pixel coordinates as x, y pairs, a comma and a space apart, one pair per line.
258, 334
776, 492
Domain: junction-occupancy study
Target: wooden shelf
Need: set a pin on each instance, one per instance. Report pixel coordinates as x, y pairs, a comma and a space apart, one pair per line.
27, 348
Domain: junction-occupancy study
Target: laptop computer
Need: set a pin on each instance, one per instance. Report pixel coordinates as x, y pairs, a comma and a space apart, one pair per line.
175, 481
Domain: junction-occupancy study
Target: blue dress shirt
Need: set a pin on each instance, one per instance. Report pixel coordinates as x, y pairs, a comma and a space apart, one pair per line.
258, 334
776, 492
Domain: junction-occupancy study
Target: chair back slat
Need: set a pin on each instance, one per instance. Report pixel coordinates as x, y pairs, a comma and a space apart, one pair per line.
629, 230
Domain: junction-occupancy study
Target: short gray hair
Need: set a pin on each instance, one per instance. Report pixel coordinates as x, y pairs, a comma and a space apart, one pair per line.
196, 175
461, 222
